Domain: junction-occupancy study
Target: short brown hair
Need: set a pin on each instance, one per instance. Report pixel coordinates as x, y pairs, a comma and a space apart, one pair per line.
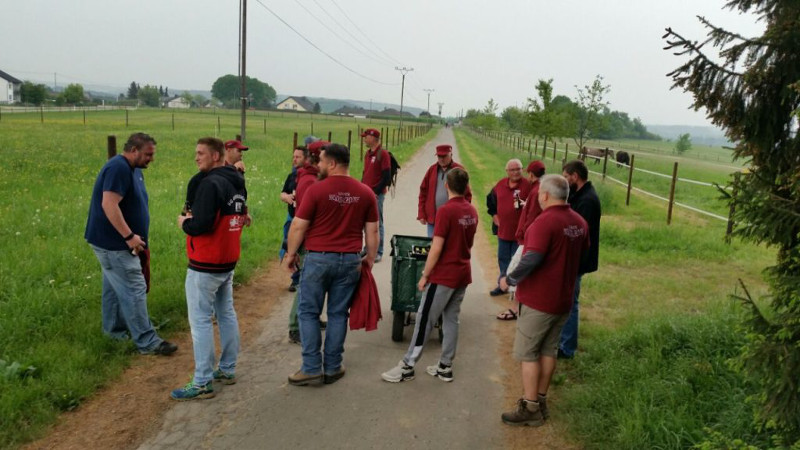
577, 166
458, 180
213, 144
138, 140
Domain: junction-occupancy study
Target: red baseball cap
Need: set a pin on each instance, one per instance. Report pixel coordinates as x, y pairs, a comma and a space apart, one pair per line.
371, 132
315, 148
536, 168
236, 144
443, 149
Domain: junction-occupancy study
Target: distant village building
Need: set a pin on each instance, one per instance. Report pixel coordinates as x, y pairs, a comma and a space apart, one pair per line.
177, 102
301, 104
394, 112
354, 111
9, 89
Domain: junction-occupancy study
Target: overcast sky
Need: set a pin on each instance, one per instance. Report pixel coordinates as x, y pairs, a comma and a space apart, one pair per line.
467, 50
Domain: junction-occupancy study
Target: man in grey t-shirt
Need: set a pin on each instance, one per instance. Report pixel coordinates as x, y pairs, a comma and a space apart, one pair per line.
432, 191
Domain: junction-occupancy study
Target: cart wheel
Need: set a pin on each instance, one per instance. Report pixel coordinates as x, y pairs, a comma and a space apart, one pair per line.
398, 324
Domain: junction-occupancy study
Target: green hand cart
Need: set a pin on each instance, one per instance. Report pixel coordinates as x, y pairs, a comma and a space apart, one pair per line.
409, 254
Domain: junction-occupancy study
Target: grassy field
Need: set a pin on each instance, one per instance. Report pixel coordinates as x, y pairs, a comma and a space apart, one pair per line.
50, 301
658, 328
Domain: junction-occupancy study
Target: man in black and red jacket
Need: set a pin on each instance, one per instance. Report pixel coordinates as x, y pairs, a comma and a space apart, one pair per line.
216, 212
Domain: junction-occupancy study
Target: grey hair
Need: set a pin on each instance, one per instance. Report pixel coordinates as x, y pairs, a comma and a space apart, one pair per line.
555, 185
512, 161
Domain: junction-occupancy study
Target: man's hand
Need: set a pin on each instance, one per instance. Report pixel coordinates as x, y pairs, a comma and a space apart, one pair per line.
496, 220
370, 262
287, 198
423, 221
183, 218
136, 244
290, 260
423, 280
247, 220
504, 284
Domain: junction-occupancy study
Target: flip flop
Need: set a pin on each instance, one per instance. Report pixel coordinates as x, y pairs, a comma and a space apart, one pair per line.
507, 315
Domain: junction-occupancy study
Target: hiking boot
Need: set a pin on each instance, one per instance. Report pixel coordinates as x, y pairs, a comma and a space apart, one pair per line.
193, 391
224, 377
526, 414
294, 336
542, 399
400, 372
163, 349
323, 325
293, 287
301, 378
442, 372
330, 378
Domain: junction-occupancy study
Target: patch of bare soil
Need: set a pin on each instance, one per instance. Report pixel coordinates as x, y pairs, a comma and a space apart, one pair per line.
131, 407
552, 434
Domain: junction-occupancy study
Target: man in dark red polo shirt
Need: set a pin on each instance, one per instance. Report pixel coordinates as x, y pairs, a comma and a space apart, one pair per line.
505, 203
377, 174
447, 273
432, 191
335, 215
545, 280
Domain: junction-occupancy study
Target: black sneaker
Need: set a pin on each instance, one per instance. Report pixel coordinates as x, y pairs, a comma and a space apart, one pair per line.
163, 349
293, 287
496, 291
333, 377
442, 372
294, 336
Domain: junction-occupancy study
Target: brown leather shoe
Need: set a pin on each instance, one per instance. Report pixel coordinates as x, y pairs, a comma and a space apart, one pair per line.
333, 377
300, 378
527, 413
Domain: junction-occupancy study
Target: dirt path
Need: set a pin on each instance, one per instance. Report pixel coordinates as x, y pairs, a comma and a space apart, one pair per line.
360, 411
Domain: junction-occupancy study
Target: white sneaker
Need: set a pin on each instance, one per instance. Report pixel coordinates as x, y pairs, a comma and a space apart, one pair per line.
401, 372
444, 373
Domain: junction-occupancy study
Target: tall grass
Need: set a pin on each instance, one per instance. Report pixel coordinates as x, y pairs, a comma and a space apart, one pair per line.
50, 300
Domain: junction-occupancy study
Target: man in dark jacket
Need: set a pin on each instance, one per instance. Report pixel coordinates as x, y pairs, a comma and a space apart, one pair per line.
213, 225
432, 191
583, 199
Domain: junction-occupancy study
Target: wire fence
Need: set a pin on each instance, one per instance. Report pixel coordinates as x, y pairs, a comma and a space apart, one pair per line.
531, 146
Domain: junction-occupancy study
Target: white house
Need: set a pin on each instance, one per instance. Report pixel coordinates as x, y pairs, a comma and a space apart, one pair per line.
301, 104
9, 89
177, 102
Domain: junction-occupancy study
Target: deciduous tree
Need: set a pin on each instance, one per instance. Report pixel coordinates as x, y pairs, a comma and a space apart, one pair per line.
586, 119
33, 93
683, 143
73, 94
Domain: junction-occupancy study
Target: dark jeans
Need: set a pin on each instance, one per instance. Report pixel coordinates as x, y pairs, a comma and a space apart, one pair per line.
505, 251
569, 334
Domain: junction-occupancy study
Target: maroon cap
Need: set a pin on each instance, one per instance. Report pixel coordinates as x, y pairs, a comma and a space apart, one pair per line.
444, 149
236, 144
371, 132
315, 148
536, 168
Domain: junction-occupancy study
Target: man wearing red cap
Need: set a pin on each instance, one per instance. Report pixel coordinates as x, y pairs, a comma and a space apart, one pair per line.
233, 154
432, 191
377, 174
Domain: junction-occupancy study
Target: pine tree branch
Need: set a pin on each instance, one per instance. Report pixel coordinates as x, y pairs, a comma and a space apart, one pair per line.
692, 47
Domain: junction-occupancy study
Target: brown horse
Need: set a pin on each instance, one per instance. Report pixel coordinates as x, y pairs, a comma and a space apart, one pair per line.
596, 153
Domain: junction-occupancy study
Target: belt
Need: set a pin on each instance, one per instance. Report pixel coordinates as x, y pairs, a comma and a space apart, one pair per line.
335, 253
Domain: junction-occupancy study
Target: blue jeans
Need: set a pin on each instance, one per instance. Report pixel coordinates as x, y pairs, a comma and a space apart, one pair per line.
206, 294
380, 224
569, 334
125, 299
286, 225
430, 230
336, 275
505, 251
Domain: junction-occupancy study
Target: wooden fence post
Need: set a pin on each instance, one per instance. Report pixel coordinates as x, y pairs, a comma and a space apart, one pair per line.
126, 118
173, 120
312, 128
554, 151
84, 117
265, 126
729, 230
219, 125
529, 148
605, 163
630, 182
330, 134
361, 141
111, 146
349, 138
294, 141
672, 192
41, 113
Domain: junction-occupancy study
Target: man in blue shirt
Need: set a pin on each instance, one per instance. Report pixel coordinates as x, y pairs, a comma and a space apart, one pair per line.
117, 227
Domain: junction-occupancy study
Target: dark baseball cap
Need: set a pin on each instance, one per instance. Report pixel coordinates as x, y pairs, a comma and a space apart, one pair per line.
444, 149
315, 148
236, 144
536, 168
371, 132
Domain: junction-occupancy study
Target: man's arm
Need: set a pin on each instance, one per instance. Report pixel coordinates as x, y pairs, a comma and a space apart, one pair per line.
204, 210
110, 204
423, 198
297, 233
433, 257
386, 177
529, 262
372, 238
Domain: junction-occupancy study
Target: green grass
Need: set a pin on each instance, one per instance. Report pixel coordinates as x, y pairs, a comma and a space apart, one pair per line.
50, 301
657, 325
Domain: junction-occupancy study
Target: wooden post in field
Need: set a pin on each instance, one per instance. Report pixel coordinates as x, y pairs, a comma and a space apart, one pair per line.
566, 153
729, 230
672, 192
361, 143
312, 128
329, 136
529, 149
605, 163
630, 182
265, 126
349, 138
393, 133
112, 146
219, 126
554, 151
41, 113
126, 118
173, 120
294, 141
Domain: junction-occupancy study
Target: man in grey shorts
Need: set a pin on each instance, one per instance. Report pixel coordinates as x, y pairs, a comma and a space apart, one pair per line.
545, 280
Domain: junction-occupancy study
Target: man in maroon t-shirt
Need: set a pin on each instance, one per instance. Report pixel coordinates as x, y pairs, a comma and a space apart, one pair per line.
377, 174
331, 221
447, 273
545, 280
505, 206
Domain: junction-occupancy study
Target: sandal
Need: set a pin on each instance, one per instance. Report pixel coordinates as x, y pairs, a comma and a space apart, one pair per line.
508, 314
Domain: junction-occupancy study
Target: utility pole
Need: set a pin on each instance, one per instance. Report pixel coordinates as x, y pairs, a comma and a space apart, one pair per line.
403, 70
440, 109
243, 65
55, 81
429, 98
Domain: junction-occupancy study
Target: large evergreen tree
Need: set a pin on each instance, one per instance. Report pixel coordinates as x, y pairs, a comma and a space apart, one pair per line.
750, 89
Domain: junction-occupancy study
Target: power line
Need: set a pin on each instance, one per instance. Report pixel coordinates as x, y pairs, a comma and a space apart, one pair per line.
362, 32
337, 34
321, 50
385, 61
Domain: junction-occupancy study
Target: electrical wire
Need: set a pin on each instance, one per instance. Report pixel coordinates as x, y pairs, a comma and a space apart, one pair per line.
364, 34
384, 60
321, 50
